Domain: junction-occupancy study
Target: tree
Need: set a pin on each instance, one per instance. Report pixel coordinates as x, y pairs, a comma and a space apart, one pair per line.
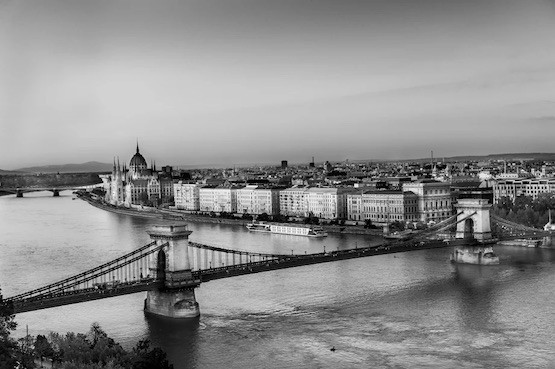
311, 219
43, 348
505, 202
143, 198
247, 216
280, 218
8, 345
264, 217
523, 202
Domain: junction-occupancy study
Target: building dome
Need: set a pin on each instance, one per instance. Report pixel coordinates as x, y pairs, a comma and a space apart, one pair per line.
137, 162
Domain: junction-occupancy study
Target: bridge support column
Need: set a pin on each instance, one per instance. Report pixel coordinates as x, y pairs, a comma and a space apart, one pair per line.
172, 304
56, 193
19, 193
480, 255
176, 299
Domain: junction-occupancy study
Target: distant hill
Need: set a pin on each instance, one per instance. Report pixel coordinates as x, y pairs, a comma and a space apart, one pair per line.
9, 172
510, 156
88, 167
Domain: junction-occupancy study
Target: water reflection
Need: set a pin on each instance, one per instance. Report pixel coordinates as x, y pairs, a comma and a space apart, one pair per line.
475, 290
180, 338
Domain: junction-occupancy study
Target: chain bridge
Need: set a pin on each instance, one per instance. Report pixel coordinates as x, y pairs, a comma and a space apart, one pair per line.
171, 267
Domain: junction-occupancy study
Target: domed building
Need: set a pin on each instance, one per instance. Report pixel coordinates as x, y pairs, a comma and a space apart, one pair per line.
137, 186
137, 165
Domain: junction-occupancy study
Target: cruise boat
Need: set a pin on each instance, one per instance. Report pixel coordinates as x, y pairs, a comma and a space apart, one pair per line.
295, 230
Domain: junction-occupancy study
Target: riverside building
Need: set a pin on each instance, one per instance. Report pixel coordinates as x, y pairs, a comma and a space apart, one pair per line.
434, 199
383, 207
218, 199
254, 199
187, 196
139, 185
328, 203
293, 201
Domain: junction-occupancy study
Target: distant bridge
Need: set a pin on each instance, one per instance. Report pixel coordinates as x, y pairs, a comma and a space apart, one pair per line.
55, 189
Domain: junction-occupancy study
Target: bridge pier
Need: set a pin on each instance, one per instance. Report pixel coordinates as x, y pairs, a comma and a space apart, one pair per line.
480, 255
176, 299
19, 193
55, 193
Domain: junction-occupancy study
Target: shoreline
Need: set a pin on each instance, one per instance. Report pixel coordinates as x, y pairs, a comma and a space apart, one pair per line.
176, 215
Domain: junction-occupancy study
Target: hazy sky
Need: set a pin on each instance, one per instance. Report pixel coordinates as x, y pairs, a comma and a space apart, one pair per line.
239, 81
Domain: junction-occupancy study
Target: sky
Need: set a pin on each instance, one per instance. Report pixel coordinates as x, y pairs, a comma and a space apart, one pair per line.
260, 81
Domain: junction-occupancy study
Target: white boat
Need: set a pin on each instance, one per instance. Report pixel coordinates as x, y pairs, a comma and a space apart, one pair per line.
295, 230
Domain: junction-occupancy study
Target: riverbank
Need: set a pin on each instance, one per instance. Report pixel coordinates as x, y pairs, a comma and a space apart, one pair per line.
177, 215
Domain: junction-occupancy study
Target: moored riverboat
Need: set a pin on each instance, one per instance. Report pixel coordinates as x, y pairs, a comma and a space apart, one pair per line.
295, 230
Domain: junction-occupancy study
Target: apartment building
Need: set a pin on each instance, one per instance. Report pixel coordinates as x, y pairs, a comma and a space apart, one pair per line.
293, 201
187, 196
383, 207
218, 199
328, 203
254, 199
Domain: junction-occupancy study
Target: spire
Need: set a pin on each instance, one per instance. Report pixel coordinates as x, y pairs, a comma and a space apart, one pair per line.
154, 165
137, 145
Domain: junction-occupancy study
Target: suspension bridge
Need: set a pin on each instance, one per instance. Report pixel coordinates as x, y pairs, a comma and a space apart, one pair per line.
171, 267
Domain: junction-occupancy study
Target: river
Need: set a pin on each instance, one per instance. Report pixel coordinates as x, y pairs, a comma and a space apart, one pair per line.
406, 310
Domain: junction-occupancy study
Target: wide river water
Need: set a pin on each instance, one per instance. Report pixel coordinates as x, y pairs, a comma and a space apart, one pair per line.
406, 310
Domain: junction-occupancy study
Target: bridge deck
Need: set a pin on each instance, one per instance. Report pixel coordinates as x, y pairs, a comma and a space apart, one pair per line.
71, 297
309, 259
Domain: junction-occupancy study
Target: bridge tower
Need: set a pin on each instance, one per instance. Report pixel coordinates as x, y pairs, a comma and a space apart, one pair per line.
474, 228
476, 223
176, 297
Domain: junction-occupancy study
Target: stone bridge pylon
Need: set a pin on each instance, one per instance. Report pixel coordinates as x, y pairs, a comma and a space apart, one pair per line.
176, 297
474, 228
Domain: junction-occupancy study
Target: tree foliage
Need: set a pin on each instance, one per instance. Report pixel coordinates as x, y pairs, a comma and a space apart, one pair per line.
149, 358
525, 210
8, 346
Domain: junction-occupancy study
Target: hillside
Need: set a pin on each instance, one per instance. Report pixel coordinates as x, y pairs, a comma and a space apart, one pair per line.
88, 167
508, 156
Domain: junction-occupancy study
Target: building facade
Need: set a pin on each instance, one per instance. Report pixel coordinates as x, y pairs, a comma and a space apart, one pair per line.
434, 199
137, 186
327, 203
218, 199
293, 201
383, 207
187, 196
512, 188
253, 199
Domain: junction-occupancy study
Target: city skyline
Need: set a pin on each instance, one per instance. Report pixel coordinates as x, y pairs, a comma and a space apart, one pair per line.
257, 82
